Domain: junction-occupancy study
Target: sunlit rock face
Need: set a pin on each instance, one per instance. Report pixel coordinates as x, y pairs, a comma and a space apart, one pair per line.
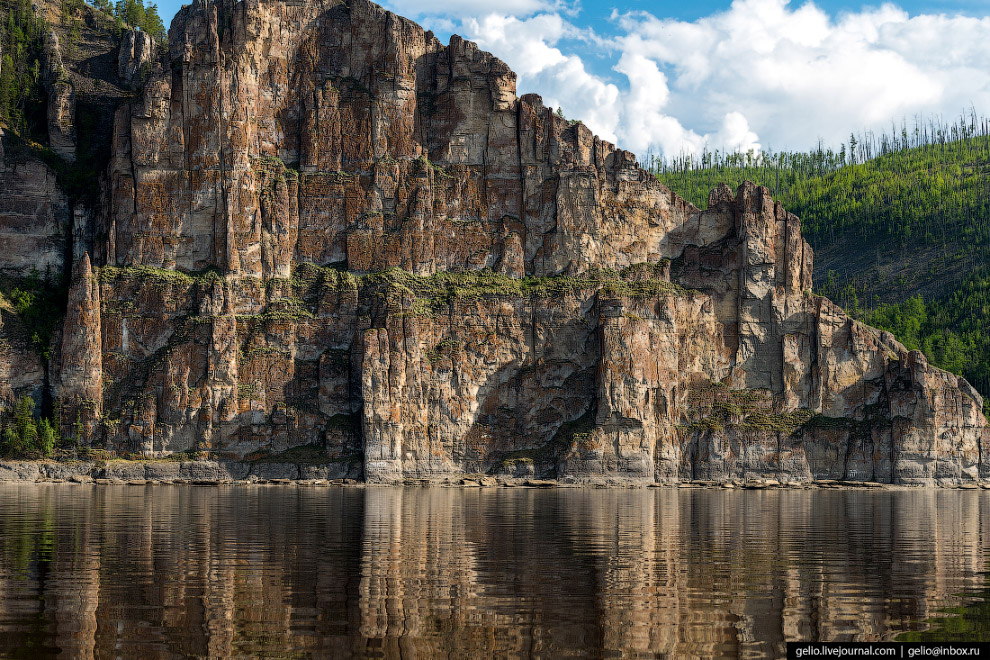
327, 236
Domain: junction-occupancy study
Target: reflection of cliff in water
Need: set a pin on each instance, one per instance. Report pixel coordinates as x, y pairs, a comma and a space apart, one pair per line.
166, 571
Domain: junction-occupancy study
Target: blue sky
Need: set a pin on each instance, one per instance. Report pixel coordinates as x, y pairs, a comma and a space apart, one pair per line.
677, 77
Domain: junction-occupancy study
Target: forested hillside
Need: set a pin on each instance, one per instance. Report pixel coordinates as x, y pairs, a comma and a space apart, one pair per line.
900, 224
21, 43
23, 30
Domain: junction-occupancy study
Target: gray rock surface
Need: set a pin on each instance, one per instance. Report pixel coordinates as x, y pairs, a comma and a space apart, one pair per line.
134, 60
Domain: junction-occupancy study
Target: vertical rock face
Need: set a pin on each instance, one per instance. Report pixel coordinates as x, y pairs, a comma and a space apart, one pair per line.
34, 214
82, 355
328, 234
50, 210
282, 133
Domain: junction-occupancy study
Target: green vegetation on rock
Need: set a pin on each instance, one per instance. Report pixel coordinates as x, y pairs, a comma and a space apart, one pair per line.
715, 407
39, 303
23, 97
135, 14
436, 291
147, 275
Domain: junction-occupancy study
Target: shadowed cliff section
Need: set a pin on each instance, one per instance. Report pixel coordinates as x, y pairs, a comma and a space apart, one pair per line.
327, 234
68, 67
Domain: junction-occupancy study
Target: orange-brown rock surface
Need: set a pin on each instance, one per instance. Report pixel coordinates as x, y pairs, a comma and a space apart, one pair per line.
327, 237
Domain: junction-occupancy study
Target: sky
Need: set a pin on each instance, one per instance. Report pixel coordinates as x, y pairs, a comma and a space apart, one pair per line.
671, 78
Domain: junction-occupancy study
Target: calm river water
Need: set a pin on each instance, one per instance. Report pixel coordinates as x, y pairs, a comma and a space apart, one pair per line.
293, 572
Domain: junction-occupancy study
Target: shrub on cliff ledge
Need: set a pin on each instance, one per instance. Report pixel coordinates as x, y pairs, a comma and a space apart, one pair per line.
39, 303
432, 292
135, 14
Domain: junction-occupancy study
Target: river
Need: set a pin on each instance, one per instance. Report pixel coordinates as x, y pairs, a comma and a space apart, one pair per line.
167, 571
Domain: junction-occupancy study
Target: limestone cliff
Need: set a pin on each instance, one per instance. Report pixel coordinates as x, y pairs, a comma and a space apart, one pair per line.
324, 234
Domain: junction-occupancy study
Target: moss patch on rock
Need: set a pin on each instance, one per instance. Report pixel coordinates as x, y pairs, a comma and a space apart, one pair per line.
715, 407
431, 293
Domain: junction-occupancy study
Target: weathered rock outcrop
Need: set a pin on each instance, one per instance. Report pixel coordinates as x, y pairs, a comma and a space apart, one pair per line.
61, 100
326, 232
137, 50
50, 205
34, 213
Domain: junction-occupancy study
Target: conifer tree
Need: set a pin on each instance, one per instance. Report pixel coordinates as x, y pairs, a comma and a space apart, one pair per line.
46, 438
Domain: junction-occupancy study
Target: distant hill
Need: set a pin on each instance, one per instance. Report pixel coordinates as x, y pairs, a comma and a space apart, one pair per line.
900, 225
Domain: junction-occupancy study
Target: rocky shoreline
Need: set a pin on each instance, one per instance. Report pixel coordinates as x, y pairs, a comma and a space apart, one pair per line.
218, 473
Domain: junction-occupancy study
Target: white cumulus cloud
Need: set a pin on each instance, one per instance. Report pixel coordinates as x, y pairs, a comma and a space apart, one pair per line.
529, 46
796, 74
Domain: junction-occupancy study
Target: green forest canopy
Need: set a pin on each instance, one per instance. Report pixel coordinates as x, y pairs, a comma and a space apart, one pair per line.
135, 14
21, 42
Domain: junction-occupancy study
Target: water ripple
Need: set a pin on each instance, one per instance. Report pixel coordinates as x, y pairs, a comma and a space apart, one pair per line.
200, 572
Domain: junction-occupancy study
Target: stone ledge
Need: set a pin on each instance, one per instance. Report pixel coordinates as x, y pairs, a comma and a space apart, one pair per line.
219, 473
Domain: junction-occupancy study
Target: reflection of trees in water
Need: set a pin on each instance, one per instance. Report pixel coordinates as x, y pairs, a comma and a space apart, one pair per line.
965, 623
171, 571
